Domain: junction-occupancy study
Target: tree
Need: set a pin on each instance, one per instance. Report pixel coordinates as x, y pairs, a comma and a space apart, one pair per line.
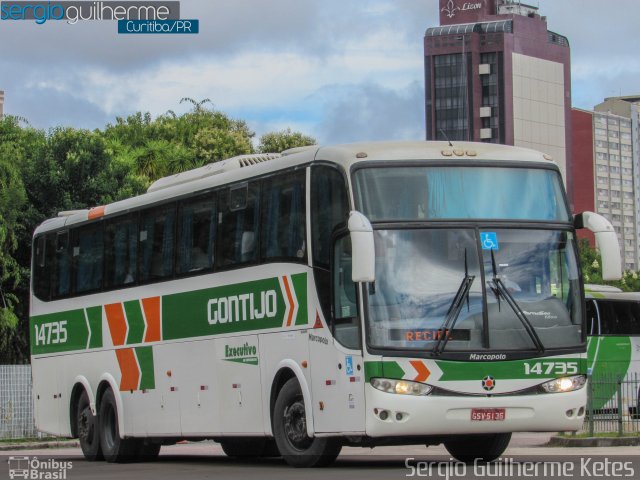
276, 142
591, 264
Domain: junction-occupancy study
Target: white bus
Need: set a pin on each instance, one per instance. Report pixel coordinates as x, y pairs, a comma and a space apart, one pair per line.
613, 347
367, 294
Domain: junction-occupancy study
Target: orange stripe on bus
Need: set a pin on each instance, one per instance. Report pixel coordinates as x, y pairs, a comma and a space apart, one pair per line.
129, 368
290, 297
96, 212
117, 323
151, 308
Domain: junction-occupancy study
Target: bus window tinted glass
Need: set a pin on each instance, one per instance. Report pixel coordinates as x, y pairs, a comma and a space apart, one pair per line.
121, 250
196, 234
435, 193
41, 270
62, 266
157, 232
283, 218
329, 208
87, 254
238, 225
619, 317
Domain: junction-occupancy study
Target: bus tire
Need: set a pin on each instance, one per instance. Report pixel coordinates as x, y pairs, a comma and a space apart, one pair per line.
88, 431
114, 448
485, 448
290, 431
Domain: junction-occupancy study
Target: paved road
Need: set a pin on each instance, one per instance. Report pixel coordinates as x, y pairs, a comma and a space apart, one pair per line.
206, 460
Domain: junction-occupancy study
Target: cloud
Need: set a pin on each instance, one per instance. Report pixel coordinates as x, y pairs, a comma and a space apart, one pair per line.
372, 112
281, 63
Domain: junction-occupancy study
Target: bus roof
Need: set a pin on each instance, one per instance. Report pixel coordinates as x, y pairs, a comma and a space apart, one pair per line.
244, 167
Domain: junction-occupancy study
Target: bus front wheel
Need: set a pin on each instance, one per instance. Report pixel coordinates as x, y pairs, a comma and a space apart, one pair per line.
290, 431
87, 425
485, 448
114, 448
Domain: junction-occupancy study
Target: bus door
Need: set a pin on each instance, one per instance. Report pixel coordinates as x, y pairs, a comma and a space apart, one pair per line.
335, 348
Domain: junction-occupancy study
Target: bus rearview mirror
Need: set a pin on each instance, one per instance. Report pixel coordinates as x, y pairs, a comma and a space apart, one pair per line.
363, 267
607, 242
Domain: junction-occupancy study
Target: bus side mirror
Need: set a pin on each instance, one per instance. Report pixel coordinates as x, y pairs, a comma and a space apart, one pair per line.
607, 242
363, 267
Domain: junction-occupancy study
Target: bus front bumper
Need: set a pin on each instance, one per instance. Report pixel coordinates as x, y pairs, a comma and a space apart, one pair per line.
443, 415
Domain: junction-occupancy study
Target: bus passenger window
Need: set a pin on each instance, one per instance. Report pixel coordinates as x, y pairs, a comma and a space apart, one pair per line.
593, 326
196, 234
87, 252
62, 284
238, 223
157, 243
283, 218
121, 250
42, 266
329, 208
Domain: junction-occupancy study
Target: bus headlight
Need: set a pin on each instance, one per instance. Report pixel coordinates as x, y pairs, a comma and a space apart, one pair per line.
565, 384
401, 387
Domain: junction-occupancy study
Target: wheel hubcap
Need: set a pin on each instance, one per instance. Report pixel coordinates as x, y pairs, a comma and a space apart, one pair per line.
86, 425
295, 425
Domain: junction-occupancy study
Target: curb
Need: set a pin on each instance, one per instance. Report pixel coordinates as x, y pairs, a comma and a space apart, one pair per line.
5, 447
594, 442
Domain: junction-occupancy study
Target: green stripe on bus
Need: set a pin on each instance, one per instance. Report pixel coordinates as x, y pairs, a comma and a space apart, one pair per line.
610, 358
94, 315
135, 320
147, 375
58, 332
300, 287
241, 307
382, 370
511, 370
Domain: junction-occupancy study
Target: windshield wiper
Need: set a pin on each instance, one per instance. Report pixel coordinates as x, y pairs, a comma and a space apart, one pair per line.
454, 309
502, 290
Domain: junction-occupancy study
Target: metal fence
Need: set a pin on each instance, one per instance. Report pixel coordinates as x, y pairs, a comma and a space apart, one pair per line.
16, 402
613, 404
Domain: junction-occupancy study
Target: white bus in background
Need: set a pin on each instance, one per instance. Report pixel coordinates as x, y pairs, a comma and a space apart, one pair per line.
367, 294
613, 326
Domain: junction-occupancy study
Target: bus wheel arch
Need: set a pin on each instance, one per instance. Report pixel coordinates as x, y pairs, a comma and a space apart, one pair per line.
84, 421
287, 370
107, 382
297, 447
80, 386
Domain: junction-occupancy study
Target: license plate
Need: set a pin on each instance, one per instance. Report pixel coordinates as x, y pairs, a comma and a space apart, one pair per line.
488, 414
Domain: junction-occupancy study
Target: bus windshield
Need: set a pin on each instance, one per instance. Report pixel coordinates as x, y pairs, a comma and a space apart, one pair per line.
520, 278
478, 192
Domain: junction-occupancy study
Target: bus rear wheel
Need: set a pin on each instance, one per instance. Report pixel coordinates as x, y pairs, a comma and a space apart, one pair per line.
87, 427
290, 431
114, 448
485, 448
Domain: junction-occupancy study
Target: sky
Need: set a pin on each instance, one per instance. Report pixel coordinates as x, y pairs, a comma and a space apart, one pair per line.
339, 70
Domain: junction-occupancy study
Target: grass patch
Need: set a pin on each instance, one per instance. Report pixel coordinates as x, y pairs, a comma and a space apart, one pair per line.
28, 440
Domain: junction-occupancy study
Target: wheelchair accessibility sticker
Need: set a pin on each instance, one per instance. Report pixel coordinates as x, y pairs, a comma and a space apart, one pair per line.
489, 240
